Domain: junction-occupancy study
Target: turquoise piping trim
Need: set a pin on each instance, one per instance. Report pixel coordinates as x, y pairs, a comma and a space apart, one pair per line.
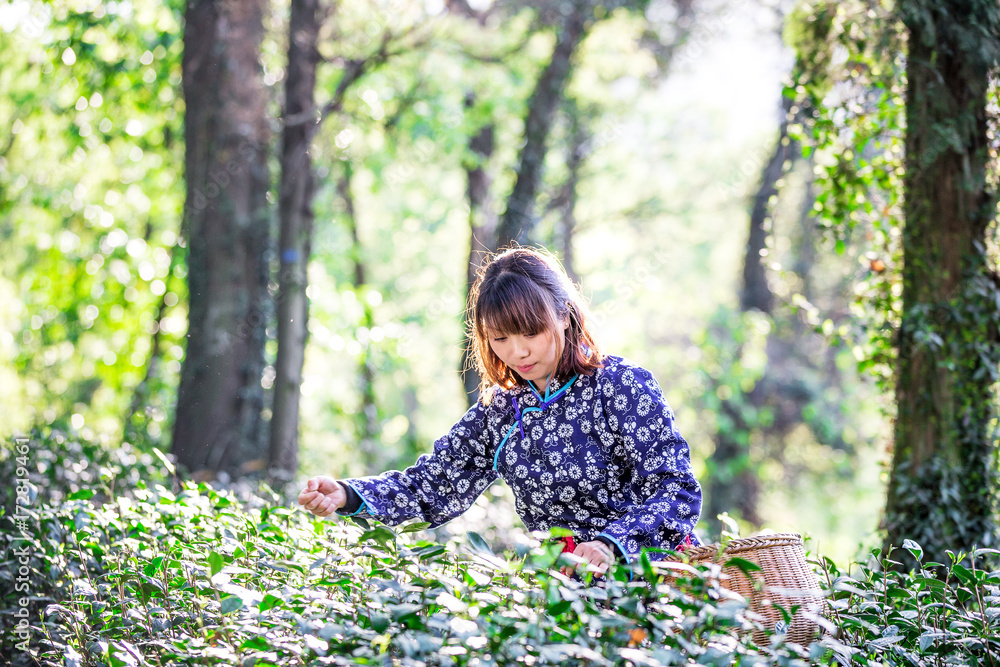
364, 507
364, 502
548, 399
628, 559
502, 443
545, 403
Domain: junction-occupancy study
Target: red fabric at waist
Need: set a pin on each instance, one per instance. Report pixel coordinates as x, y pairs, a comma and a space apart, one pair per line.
569, 544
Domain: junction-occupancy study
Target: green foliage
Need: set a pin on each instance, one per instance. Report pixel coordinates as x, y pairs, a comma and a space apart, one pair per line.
849, 79
881, 80
149, 576
90, 204
935, 614
734, 358
68, 464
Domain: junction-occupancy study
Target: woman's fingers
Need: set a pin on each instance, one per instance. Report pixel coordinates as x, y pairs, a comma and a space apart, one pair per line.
323, 507
317, 503
322, 496
594, 552
325, 484
309, 499
597, 554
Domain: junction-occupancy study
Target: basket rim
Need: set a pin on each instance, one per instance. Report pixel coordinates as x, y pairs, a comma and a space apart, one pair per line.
740, 545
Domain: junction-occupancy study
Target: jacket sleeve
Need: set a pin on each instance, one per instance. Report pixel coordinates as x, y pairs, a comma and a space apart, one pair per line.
440, 485
669, 495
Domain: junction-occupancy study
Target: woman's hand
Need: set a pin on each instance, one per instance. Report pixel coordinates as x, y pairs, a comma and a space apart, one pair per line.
323, 496
598, 554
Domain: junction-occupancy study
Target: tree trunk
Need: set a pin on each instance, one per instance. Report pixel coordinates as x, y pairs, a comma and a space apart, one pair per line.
295, 214
733, 485
756, 293
368, 418
943, 482
218, 424
576, 153
483, 226
518, 221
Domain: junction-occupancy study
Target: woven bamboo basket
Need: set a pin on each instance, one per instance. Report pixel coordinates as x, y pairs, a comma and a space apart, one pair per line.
784, 579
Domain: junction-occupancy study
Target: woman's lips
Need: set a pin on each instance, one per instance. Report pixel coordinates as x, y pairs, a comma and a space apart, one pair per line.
525, 369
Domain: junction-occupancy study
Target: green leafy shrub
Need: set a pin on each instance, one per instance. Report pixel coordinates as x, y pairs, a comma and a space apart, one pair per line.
150, 576
934, 614
157, 577
60, 464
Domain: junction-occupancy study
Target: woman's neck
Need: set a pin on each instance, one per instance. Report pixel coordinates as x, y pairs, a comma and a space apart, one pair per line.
542, 385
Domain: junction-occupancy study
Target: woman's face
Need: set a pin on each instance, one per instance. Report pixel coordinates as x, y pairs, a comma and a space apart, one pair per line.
532, 356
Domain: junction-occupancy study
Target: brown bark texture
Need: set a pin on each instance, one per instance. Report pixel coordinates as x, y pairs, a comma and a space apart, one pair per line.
518, 221
218, 424
295, 217
483, 228
942, 488
576, 153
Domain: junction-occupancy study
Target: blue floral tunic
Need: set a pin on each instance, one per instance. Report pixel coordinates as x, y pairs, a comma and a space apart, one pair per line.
599, 455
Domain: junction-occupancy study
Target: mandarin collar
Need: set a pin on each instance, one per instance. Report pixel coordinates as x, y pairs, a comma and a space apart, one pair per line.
524, 391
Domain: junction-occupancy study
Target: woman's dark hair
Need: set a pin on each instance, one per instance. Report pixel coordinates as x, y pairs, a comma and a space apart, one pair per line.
526, 291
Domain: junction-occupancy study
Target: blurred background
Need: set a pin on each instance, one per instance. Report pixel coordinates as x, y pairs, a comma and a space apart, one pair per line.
660, 162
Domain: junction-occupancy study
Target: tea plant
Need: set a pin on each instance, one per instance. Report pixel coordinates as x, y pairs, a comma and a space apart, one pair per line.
142, 574
935, 614
159, 578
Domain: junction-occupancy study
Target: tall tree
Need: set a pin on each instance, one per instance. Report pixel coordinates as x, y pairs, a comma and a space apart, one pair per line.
302, 120
518, 219
942, 489
218, 423
295, 217
579, 136
733, 485
483, 227
482, 211
368, 417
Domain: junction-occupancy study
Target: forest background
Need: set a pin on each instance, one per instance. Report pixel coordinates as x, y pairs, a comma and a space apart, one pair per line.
723, 177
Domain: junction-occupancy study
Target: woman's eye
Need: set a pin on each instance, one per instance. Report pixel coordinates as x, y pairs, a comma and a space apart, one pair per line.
499, 339
530, 335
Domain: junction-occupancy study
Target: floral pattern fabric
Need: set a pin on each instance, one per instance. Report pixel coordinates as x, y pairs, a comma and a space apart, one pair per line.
601, 457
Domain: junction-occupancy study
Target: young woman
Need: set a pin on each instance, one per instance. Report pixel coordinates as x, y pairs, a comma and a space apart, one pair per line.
586, 441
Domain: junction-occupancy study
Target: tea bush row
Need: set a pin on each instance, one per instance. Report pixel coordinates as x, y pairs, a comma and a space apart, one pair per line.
150, 575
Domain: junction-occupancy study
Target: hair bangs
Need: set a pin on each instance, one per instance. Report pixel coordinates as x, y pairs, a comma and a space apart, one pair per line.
522, 291
515, 305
